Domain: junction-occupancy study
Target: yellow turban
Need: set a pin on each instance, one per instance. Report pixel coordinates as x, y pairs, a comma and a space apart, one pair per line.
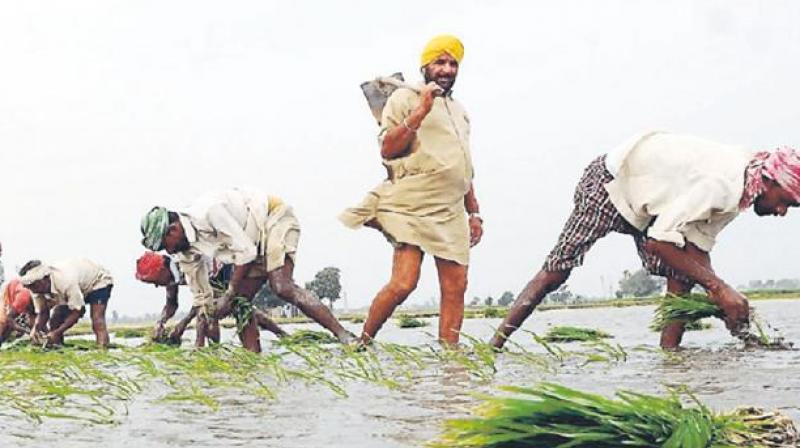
445, 43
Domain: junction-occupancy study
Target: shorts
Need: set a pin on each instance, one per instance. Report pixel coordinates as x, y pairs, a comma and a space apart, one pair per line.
100, 296
594, 217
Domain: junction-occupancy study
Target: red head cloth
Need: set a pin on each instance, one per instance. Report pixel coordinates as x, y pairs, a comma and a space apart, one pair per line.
17, 296
149, 267
781, 165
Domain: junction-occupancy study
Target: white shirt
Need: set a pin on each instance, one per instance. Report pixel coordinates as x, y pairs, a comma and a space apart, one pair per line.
680, 188
226, 226
70, 281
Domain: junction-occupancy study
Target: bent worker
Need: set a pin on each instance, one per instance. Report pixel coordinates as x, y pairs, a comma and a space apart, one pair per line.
256, 233
162, 270
673, 194
66, 288
17, 313
428, 203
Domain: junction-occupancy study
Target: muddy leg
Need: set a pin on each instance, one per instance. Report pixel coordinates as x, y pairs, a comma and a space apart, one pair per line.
453, 285
98, 314
672, 334
543, 283
284, 287
405, 274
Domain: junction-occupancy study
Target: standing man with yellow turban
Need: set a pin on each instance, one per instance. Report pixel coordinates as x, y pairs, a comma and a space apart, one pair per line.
428, 203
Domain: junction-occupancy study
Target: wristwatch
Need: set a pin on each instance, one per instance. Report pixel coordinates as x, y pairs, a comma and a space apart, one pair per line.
476, 215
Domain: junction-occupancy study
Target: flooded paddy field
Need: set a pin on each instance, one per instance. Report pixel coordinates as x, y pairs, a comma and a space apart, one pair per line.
404, 401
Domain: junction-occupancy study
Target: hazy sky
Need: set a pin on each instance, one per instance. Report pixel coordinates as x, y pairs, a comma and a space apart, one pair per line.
110, 107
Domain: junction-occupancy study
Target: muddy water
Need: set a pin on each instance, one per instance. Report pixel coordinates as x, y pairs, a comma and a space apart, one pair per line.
713, 365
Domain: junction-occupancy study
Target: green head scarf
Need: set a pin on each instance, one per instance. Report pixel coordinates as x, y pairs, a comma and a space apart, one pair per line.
154, 227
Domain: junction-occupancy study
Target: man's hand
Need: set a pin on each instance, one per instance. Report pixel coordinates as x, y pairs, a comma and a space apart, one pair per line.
735, 307
35, 336
426, 96
176, 334
475, 230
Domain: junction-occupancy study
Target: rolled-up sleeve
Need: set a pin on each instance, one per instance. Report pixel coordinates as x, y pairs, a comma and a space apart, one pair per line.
397, 109
691, 217
242, 248
195, 271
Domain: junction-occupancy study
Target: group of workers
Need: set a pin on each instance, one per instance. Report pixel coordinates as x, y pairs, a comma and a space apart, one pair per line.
672, 193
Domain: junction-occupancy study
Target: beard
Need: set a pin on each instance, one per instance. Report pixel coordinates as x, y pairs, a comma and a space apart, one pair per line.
445, 82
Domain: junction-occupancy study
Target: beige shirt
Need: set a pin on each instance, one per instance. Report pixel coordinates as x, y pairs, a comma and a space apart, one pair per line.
70, 281
422, 202
227, 226
679, 188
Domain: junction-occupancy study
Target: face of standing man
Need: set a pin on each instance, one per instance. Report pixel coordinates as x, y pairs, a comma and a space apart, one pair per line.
443, 71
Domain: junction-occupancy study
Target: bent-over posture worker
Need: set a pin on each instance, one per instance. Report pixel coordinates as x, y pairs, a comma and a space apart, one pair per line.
256, 233
16, 310
673, 194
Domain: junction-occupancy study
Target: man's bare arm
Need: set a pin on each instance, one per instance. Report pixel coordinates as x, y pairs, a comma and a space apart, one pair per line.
696, 264
71, 319
398, 139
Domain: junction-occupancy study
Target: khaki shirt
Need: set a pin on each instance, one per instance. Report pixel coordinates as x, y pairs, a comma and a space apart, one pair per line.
679, 188
70, 281
422, 202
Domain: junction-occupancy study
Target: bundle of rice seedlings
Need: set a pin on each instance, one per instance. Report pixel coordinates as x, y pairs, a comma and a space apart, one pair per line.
689, 308
692, 308
570, 334
555, 416
495, 312
410, 322
242, 311
131, 333
305, 337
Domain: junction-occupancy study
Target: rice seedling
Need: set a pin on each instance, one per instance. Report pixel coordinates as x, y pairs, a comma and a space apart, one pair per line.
242, 311
410, 322
689, 308
307, 337
126, 333
554, 416
492, 312
693, 307
571, 334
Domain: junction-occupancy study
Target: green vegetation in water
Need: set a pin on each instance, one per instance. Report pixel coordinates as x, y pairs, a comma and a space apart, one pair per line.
571, 334
410, 322
493, 312
555, 416
127, 333
357, 319
307, 337
693, 307
690, 308
79, 382
242, 311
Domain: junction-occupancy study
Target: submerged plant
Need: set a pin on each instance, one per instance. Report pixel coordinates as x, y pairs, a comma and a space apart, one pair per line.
131, 333
570, 334
410, 322
307, 337
554, 416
